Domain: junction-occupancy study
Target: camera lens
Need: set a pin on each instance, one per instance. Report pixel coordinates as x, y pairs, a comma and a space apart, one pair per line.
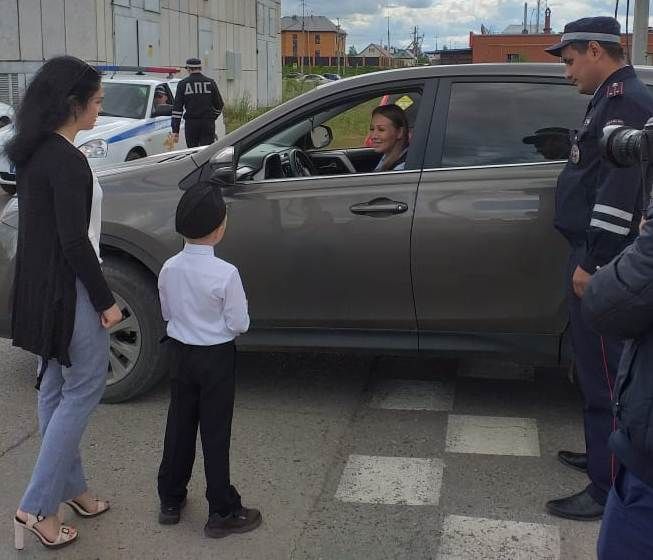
622, 145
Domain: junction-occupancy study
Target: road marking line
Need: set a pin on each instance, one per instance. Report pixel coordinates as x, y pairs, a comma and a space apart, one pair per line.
391, 480
471, 538
408, 394
492, 435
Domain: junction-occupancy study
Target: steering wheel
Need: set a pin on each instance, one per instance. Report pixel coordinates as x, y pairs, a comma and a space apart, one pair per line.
300, 164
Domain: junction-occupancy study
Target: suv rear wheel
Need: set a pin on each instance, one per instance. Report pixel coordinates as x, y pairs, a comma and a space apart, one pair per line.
136, 360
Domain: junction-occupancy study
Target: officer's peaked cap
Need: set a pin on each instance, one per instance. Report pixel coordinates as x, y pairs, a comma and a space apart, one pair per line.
193, 63
602, 29
160, 89
201, 210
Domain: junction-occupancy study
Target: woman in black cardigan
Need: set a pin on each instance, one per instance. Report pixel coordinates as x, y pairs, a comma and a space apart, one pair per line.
62, 306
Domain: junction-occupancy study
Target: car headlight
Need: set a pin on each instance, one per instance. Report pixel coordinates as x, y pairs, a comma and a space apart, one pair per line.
94, 149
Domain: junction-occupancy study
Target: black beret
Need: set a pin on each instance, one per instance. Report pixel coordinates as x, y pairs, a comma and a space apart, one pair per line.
602, 29
193, 63
200, 211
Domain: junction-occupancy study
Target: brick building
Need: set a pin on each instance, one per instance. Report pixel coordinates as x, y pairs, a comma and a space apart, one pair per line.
522, 47
316, 39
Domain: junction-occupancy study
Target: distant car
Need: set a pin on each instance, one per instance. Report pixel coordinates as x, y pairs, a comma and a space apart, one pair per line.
294, 75
130, 126
6, 114
332, 77
315, 78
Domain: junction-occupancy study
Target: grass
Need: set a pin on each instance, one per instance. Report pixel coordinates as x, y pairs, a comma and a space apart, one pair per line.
349, 128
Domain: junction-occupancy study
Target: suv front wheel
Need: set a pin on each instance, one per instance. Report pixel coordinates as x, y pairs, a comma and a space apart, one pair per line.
136, 360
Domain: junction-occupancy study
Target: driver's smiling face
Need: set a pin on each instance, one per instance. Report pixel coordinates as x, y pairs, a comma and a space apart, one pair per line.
384, 134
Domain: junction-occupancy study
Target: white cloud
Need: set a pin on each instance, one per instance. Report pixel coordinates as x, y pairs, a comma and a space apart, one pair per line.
449, 20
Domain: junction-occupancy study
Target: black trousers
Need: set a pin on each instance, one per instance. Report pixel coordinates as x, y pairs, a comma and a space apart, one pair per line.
202, 383
199, 132
597, 359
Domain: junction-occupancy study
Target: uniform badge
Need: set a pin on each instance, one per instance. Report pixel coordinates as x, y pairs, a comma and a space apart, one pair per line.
574, 155
615, 89
587, 121
614, 122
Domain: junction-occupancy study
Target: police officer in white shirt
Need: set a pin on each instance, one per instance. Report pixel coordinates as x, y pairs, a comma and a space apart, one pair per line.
203, 301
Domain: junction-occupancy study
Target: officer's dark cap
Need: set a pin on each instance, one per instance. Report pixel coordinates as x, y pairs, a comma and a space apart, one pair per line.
602, 29
193, 63
160, 90
200, 211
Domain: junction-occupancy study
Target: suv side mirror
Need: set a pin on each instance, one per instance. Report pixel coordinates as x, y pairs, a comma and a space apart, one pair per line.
321, 136
162, 111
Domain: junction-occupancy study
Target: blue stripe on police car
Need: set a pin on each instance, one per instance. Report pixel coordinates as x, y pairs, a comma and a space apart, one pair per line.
141, 129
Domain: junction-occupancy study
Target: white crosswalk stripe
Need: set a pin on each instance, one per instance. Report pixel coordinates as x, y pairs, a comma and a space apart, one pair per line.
391, 480
463, 538
492, 435
400, 394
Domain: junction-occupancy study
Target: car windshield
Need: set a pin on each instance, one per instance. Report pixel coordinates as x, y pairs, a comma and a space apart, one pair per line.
125, 100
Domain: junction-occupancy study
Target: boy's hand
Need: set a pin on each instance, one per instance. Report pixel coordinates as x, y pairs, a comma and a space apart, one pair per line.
111, 317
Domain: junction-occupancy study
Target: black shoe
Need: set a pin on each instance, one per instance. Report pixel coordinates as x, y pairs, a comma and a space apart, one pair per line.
170, 514
581, 507
240, 521
576, 461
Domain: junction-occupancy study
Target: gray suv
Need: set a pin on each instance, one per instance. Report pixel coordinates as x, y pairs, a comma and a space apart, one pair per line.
456, 253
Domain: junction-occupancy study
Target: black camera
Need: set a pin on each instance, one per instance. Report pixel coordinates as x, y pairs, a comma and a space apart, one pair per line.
627, 147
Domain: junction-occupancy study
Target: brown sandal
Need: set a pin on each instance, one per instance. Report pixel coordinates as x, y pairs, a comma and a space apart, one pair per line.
67, 535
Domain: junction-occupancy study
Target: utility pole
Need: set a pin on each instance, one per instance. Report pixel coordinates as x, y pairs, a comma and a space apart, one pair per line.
338, 45
640, 32
303, 51
387, 14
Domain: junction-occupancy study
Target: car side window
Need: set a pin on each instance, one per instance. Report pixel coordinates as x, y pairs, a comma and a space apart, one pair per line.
510, 123
336, 140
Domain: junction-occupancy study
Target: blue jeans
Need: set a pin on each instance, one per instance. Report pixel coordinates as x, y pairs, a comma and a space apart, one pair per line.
67, 397
626, 531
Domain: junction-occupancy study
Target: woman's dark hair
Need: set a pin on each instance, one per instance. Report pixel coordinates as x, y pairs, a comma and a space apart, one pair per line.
61, 87
397, 116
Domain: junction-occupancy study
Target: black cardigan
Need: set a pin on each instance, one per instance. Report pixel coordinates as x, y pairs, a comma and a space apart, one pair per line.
55, 192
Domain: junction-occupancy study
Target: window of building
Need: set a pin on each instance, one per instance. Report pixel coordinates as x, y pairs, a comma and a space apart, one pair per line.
294, 37
513, 57
317, 54
510, 123
317, 39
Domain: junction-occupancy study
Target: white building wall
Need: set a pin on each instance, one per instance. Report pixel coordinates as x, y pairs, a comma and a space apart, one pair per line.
169, 32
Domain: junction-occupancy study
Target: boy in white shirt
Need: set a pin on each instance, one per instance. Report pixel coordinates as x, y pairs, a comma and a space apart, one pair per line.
203, 301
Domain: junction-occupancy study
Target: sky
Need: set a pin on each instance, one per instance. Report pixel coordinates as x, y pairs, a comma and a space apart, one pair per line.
443, 22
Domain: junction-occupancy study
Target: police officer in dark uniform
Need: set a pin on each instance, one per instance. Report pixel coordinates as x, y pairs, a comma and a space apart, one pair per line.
598, 209
200, 96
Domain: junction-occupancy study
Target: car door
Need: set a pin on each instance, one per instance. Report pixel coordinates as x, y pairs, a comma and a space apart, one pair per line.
328, 257
487, 263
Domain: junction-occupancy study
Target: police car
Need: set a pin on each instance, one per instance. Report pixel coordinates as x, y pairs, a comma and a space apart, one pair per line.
134, 123
6, 114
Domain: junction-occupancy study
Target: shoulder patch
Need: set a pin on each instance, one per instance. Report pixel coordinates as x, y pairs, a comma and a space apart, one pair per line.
614, 122
615, 89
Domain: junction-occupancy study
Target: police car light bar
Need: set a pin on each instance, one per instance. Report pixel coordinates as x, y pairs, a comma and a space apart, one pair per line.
138, 69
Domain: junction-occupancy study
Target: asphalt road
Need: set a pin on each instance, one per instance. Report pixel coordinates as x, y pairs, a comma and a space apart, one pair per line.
348, 457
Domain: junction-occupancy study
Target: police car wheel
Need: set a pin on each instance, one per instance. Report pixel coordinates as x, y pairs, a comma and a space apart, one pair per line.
136, 361
9, 189
136, 153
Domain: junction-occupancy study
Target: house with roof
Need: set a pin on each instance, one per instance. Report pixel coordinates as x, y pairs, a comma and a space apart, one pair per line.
403, 58
315, 39
373, 55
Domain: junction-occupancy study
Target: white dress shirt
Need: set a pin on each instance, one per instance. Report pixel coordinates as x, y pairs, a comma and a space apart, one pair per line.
95, 224
202, 297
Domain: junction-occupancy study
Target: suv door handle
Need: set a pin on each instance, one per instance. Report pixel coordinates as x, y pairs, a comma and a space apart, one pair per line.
378, 206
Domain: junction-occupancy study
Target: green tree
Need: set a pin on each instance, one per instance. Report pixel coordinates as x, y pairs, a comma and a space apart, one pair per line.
352, 51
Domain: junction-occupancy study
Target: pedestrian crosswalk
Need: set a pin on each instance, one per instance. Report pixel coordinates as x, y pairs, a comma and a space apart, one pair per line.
418, 481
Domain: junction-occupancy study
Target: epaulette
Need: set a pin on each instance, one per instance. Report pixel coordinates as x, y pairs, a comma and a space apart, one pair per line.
615, 89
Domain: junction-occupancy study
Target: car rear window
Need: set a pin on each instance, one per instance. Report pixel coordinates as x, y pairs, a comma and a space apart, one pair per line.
493, 123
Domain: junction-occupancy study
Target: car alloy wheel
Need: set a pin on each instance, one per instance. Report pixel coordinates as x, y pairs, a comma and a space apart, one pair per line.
125, 343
